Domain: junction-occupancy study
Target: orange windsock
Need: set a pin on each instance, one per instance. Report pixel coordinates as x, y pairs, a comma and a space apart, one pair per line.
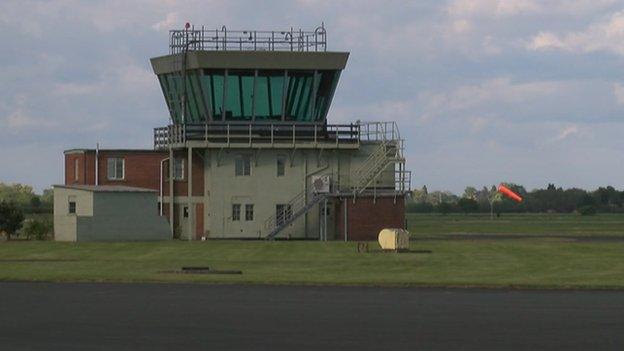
510, 194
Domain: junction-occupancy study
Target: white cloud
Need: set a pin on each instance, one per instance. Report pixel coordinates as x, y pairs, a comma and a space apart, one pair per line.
606, 35
171, 21
19, 119
492, 8
497, 90
618, 92
566, 132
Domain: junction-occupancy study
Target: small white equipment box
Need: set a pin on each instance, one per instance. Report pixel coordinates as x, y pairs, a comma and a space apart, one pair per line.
395, 239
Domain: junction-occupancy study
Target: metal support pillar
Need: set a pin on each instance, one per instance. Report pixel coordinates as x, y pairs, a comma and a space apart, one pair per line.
189, 194
171, 217
345, 220
325, 220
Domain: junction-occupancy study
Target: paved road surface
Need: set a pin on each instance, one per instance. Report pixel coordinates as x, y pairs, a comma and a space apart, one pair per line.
41, 316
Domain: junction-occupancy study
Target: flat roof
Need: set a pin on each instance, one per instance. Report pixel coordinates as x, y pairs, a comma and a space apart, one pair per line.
74, 151
267, 60
107, 188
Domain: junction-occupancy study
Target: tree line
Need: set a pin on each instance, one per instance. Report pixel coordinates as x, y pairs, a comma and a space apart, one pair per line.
487, 199
25, 198
17, 200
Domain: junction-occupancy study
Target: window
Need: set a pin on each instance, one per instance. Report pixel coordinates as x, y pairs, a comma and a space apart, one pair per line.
283, 212
269, 94
115, 168
242, 165
249, 212
76, 169
178, 168
281, 166
185, 214
236, 209
264, 94
72, 205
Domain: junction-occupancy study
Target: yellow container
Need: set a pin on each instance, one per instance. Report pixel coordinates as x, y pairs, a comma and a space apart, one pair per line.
394, 239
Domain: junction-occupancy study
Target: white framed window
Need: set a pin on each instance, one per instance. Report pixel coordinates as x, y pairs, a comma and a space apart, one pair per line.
115, 168
76, 169
236, 210
71, 204
281, 165
283, 212
178, 168
249, 212
242, 166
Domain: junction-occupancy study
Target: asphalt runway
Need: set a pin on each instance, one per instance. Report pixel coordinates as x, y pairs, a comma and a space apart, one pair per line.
42, 316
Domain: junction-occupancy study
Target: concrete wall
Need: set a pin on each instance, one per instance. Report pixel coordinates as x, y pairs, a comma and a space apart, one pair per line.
264, 189
122, 216
64, 222
108, 216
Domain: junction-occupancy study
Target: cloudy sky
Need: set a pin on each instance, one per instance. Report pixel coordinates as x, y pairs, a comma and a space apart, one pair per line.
484, 91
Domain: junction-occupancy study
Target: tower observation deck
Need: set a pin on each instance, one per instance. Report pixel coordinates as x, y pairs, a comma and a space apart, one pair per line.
267, 83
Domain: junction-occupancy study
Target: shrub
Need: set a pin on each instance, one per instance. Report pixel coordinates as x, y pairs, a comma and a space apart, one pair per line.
468, 205
37, 229
11, 218
444, 208
419, 207
588, 210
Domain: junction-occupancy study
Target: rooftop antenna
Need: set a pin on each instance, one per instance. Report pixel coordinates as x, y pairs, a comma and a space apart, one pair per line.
97, 154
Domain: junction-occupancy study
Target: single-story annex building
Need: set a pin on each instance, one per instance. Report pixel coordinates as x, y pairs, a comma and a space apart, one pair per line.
107, 213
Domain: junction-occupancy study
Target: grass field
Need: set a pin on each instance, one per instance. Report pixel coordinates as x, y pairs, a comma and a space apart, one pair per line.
524, 262
546, 263
524, 224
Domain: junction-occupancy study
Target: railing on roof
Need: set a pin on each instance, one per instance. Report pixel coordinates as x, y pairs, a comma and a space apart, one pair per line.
250, 134
376, 131
279, 132
190, 39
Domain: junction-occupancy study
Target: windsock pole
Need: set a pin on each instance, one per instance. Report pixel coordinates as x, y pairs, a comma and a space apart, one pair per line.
509, 193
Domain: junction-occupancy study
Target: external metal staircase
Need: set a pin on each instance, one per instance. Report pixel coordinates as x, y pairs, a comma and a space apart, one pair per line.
295, 208
388, 152
386, 157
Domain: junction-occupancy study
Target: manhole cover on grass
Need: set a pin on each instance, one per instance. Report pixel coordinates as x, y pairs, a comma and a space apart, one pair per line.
203, 270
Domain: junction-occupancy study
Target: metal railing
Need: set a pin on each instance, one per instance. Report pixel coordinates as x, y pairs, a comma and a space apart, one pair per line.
251, 40
387, 153
283, 134
376, 131
295, 208
403, 181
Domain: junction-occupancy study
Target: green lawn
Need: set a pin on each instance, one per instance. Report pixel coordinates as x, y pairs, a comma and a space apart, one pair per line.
525, 224
547, 263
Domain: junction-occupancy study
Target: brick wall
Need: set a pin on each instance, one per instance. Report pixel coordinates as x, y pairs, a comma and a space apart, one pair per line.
142, 168
366, 218
181, 186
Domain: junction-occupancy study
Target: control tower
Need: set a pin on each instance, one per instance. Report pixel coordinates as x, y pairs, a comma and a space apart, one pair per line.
251, 151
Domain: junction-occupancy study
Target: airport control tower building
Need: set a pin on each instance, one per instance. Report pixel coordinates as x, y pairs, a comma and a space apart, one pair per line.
252, 152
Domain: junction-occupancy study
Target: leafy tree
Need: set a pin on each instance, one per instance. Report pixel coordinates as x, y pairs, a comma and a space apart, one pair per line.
11, 218
419, 207
468, 205
495, 197
37, 229
470, 193
24, 197
444, 208
588, 210
17, 193
48, 197
420, 195
35, 202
